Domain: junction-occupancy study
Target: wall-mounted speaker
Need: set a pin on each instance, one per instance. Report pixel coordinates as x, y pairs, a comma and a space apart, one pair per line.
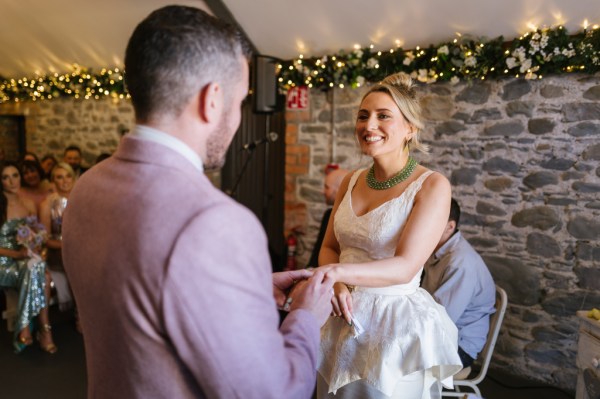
265, 97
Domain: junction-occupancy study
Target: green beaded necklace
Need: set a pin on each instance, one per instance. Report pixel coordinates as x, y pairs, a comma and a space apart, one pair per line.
406, 171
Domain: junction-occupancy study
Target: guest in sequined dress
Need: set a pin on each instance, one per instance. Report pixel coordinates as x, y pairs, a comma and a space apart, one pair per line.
51, 211
20, 271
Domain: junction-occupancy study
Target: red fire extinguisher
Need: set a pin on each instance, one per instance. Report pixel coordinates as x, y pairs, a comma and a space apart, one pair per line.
291, 252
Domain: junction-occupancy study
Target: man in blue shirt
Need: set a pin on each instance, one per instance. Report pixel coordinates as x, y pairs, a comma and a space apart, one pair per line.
457, 277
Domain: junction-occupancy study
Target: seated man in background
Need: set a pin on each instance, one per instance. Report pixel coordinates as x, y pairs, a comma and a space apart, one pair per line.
333, 179
72, 156
457, 277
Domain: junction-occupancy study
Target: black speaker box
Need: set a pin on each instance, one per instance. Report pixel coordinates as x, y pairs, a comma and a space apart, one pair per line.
265, 96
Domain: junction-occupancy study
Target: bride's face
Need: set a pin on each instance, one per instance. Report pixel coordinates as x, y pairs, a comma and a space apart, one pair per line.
63, 180
380, 126
11, 180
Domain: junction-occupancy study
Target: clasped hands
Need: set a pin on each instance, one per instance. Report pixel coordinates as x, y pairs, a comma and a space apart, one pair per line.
304, 289
314, 290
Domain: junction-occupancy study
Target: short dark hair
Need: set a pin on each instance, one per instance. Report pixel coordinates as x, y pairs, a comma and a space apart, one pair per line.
175, 52
72, 148
454, 211
28, 165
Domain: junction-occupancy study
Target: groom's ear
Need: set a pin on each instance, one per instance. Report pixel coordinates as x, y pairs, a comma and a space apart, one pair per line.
210, 103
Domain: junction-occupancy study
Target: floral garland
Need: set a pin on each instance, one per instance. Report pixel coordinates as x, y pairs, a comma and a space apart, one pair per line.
538, 53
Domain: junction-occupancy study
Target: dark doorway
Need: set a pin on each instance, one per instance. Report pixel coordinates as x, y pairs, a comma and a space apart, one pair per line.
12, 136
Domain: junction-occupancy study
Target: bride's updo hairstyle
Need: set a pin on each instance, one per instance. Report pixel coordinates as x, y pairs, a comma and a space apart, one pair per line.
401, 88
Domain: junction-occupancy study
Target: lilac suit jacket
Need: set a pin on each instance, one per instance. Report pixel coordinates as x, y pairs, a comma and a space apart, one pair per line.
173, 284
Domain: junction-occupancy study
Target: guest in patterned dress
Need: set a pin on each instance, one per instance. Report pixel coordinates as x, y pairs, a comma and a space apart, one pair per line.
20, 267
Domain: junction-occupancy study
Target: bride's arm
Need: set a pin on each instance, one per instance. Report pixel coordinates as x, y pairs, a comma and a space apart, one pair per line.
419, 237
330, 253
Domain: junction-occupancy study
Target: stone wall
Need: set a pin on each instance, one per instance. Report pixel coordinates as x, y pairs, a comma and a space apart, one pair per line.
94, 125
523, 159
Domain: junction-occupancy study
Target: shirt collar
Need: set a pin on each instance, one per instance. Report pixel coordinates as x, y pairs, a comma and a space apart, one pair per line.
162, 138
447, 245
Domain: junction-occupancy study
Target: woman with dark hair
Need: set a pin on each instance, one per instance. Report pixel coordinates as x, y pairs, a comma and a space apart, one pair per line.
34, 186
20, 267
48, 162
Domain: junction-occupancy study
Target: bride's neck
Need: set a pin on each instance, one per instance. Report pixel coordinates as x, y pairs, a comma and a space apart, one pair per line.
389, 166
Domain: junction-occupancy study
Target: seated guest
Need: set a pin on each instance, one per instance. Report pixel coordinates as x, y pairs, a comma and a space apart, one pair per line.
333, 179
457, 277
48, 162
29, 156
34, 186
20, 268
51, 211
72, 156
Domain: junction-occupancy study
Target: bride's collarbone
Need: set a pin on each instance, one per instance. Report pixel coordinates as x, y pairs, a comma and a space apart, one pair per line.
364, 199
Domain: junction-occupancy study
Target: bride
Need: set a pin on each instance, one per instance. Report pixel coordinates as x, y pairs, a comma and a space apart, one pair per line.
388, 338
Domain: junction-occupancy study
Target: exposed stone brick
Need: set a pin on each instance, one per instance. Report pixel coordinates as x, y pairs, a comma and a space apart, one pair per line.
592, 153
551, 91
542, 245
485, 208
540, 125
584, 228
499, 184
498, 164
593, 93
584, 129
540, 217
515, 89
520, 108
540, 179
511, 128
449, 128
466, 176
436, 108
574, 112
477, 93
557, 164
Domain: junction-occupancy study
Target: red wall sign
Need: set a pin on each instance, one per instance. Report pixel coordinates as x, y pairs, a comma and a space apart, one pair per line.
297, 97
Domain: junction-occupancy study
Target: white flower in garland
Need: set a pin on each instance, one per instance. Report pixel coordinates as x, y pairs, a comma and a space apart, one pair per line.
358, 53
454, 80
360, 81
470, 61
443, 50
511, 62
423, 75
372, 63
526, 65
409, 57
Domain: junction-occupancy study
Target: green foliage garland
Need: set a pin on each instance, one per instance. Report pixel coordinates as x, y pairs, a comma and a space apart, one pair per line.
541, 52
535, 54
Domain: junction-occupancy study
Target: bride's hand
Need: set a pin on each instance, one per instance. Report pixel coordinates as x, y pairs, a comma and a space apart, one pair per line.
342, 302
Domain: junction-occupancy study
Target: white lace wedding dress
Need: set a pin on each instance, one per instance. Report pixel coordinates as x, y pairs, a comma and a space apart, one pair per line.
406, 331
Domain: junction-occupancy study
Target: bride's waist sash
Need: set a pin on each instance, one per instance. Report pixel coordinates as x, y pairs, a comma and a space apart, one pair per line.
402, 289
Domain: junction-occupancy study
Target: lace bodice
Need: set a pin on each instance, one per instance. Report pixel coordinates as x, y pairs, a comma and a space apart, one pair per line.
375, 234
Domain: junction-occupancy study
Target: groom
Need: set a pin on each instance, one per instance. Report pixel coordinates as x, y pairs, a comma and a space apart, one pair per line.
172, 278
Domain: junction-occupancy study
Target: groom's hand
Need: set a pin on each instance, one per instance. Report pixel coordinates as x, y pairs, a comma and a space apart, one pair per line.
283, 281
313, 295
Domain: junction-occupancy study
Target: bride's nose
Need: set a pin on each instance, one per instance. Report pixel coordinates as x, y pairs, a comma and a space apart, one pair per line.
372, 123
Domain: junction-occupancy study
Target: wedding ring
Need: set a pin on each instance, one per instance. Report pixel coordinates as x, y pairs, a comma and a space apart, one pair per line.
286, 305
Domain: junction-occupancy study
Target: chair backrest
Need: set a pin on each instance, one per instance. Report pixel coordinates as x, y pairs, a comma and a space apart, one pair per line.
495, 323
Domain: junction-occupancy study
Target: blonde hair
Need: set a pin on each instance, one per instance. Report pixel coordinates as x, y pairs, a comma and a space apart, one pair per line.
401, 88
62, 165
